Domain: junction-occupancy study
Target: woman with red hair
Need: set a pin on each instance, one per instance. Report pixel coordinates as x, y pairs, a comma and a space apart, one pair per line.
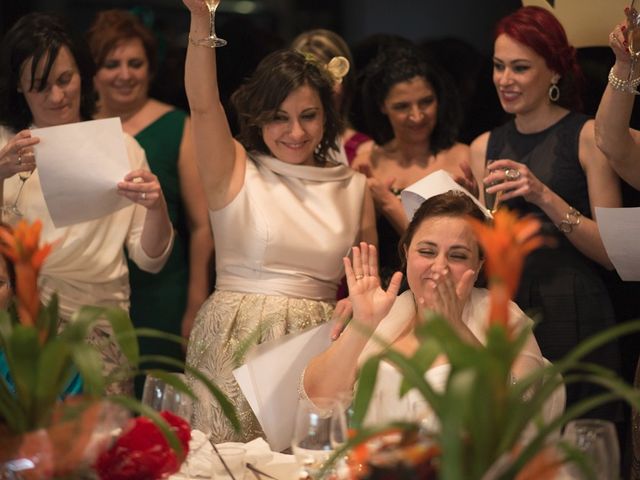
545, 162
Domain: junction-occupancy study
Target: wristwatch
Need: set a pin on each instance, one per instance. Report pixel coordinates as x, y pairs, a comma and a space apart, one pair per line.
571, 219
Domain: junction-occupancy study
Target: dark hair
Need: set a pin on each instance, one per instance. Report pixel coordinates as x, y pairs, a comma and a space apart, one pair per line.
400, 64
538, 29
324, 45
453, 203
111, 27
39, 36
277, 75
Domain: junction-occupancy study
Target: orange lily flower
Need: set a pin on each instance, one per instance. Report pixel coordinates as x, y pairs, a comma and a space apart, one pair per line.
21, 247
506, 243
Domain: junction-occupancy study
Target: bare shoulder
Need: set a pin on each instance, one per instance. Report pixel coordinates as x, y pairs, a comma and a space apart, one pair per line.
479, 145
458, 153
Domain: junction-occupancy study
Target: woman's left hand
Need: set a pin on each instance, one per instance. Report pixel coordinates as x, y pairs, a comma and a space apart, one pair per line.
449, 298
142, 187
513, 179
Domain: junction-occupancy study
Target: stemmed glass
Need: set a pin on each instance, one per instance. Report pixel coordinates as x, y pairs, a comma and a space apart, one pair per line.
13, 208
212, 40
633, 29
598, 441
320, 428
161, 395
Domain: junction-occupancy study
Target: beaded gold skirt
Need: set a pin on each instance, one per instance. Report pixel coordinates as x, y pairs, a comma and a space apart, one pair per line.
224, 323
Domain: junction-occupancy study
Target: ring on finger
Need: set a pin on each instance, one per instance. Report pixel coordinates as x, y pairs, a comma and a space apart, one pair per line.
19, 162
143, 195
512, 174
359, 276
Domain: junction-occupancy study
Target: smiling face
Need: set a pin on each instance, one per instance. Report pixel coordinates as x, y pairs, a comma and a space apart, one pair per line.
297, 128
122, 81
412, 109
59, 102
521, 76
438, 243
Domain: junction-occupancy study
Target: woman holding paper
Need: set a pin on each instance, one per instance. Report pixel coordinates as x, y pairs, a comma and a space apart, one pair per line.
545, 162
284, 213
46, 79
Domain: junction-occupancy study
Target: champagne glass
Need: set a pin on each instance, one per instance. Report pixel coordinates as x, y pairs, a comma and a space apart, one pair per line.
491, 200
633, 34
320, 427
13, 209
598, 441
212, 40
161, 395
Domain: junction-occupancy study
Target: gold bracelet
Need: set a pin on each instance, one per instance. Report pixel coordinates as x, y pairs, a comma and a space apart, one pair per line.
198, 42
571, 219
622, 85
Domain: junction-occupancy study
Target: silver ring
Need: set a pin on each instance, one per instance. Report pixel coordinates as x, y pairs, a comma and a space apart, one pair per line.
19, 162
512, 174
143, 195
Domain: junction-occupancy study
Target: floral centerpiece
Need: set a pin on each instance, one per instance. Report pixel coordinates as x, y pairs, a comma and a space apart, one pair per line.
53, 435
490, 445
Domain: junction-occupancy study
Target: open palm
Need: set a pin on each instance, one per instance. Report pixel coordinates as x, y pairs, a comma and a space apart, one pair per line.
370, 302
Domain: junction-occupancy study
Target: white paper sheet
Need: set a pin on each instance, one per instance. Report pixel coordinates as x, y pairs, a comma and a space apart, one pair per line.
269, 380
620, 233
79, 165
433, 184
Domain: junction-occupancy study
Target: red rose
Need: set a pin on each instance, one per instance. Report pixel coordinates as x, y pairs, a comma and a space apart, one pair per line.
142, 452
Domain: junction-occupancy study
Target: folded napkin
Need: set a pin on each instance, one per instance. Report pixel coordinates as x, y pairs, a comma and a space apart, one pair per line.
198, 462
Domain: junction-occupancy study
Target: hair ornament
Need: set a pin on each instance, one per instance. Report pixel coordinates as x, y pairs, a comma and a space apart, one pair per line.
338, 67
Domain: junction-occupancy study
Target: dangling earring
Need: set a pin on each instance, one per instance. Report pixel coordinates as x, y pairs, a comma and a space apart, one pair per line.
554, 92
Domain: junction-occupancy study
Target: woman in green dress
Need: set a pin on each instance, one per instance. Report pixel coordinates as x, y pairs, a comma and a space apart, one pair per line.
125, 54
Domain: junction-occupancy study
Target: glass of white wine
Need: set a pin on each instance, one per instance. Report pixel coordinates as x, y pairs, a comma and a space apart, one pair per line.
633, 36
212, 40
13, 210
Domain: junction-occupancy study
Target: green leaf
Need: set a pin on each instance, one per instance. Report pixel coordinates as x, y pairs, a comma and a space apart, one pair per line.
22, 354
11, 410
364, 390
124, 334
52, 374
6, 328
88, 361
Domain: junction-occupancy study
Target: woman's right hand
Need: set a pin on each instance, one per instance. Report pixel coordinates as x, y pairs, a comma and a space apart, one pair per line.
197, 7
18, 155
619, 43
369, 301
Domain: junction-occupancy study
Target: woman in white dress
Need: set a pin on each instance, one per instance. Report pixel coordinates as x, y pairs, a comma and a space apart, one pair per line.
283, 213
46, 79
442, 258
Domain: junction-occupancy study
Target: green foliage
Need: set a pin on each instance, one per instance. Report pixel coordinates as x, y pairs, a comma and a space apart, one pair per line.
40, 370
482, 415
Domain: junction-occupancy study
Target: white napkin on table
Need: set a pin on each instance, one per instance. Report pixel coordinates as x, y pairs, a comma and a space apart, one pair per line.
198, 462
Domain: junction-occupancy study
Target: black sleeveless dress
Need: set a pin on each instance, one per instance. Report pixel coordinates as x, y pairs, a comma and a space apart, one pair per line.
560, 288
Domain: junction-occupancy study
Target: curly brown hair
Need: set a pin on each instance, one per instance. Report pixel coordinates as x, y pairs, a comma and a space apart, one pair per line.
280, 73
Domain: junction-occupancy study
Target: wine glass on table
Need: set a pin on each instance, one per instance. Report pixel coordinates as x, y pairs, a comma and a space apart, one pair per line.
633, 36
320, 428
597, 440
212, 40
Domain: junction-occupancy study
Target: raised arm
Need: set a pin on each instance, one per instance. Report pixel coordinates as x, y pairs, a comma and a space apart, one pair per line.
613, 136
370, 305
220, 158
